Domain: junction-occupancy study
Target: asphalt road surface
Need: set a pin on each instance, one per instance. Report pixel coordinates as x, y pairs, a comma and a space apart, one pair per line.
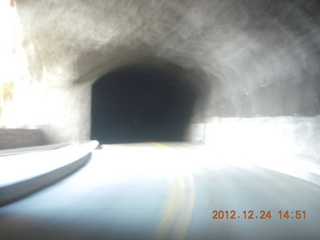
166, 191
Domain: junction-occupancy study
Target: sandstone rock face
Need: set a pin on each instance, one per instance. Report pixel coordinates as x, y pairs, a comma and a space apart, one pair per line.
247, 58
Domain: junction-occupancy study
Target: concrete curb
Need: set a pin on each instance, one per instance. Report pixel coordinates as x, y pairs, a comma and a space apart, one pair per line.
78, 155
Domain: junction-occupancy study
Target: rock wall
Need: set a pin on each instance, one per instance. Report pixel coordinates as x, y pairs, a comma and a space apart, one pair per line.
249, 58
260, 57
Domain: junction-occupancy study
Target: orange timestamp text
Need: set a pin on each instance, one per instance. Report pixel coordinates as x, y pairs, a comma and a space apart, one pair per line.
263, 214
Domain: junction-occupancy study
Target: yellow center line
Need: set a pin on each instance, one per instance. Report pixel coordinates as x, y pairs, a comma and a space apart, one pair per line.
159, 145
185, 217
169, 211
178, 207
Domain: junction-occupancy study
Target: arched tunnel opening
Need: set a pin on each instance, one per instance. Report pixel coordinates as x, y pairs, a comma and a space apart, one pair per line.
140, 103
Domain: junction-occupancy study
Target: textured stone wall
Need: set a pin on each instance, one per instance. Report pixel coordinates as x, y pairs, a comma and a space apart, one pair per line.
260, 57
249, 58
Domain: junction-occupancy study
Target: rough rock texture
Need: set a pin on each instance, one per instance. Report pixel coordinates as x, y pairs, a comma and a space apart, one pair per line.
261, 57
249, 58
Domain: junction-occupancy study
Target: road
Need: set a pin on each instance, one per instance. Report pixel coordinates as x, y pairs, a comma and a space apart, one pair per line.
166, 191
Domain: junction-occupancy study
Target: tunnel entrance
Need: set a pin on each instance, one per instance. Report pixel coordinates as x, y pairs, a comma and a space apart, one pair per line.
142, 102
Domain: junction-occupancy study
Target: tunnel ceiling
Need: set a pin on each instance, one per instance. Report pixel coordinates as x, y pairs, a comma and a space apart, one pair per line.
260, 58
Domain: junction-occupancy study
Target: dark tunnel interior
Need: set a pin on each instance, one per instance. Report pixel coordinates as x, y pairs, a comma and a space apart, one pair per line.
140, 103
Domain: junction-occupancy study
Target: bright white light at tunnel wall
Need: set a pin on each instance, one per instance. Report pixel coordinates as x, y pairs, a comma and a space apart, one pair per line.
12, 58
6, 57
265, 139
6, 26
17, 96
